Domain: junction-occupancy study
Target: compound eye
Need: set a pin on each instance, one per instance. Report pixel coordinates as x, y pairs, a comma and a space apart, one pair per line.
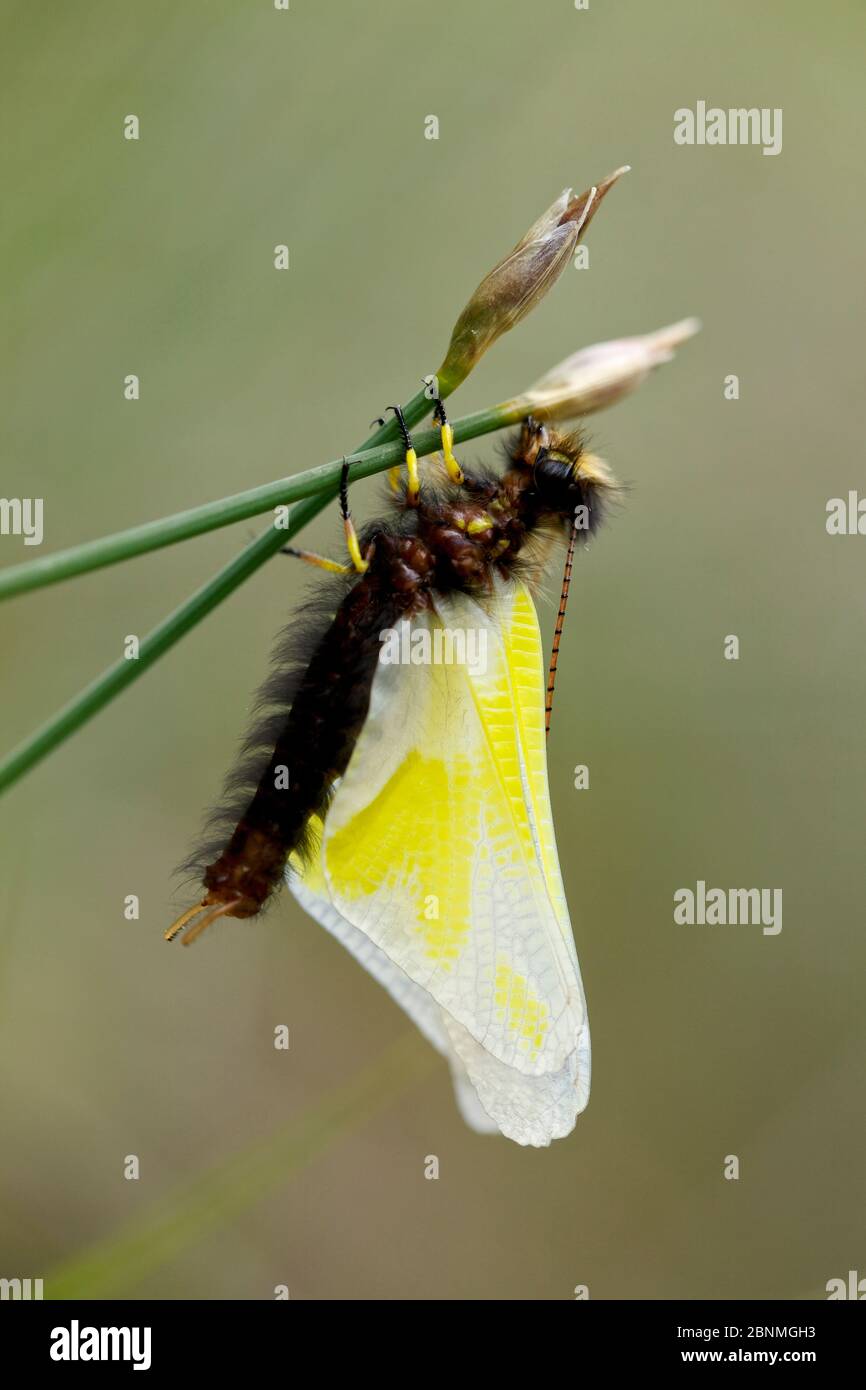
538, 468
553, 476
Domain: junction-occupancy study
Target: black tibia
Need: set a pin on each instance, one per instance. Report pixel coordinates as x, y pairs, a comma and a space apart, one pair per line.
344, 490
404, 431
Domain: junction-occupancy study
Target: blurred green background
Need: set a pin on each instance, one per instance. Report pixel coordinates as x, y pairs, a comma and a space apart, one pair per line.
155, 257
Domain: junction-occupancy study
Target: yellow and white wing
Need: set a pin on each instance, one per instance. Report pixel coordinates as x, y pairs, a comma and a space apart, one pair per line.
438, 852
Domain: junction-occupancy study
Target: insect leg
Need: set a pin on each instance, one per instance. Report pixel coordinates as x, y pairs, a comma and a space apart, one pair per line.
446, 430
359, 562
413, 487
320, 561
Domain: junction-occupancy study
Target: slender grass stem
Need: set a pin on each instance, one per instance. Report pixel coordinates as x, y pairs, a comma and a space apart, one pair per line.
182, 526
97, 695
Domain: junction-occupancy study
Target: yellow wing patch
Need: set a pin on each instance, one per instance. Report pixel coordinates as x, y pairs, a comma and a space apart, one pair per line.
520, 1009
442, 918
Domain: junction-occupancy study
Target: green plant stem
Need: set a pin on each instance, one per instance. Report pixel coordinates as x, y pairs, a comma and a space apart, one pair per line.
182, 526
104, 689
122, 673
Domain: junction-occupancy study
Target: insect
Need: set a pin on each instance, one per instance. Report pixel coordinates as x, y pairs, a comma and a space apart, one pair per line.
404, 798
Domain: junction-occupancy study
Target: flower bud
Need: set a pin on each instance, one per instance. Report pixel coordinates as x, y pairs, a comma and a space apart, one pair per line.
518, 282
597, 376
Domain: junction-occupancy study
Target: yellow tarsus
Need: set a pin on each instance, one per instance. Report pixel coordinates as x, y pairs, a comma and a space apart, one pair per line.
455, 472
413, 490
320, 561
353, 546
